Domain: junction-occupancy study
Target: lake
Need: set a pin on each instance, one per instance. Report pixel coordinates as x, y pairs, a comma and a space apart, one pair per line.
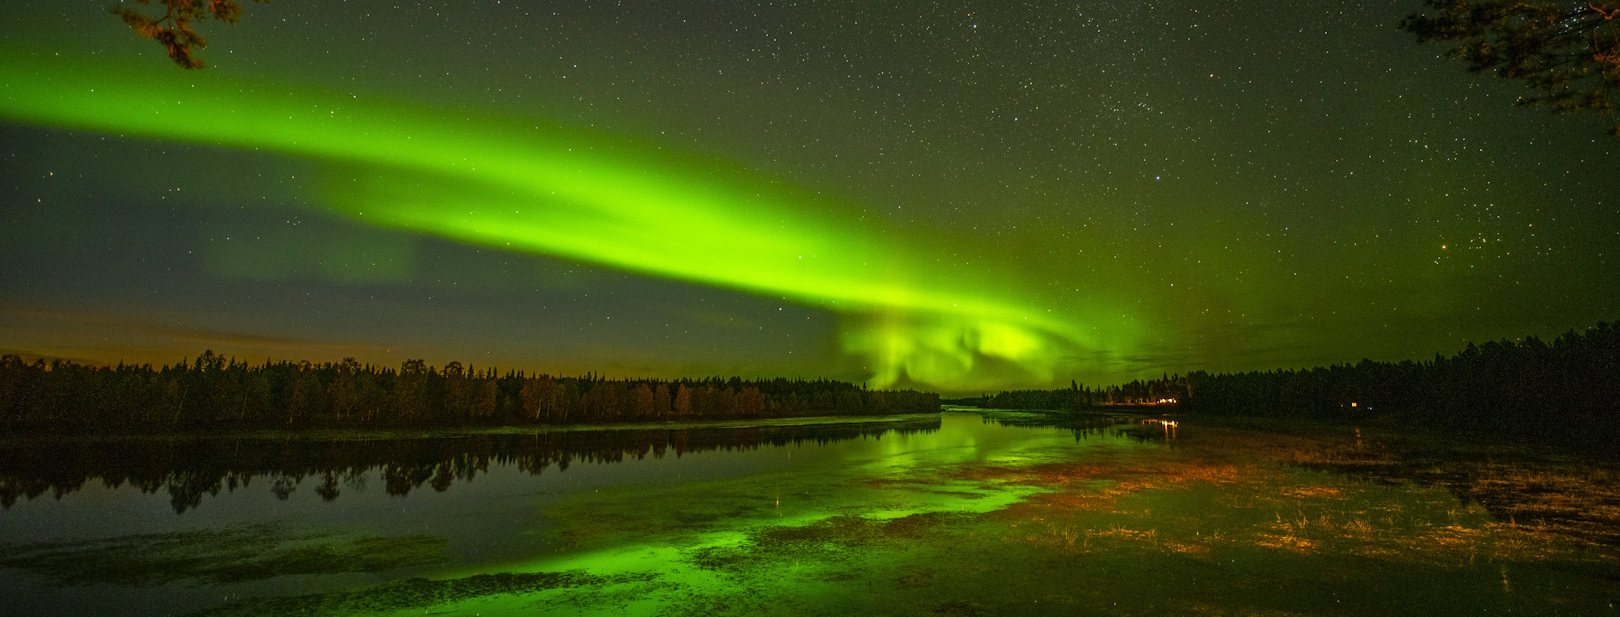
959, 513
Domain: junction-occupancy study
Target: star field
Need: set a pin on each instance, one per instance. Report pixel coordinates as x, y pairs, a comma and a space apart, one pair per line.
1176, 186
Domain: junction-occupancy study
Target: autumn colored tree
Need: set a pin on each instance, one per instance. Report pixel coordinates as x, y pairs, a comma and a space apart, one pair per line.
661, 401
173, 30
683, 401
1567, 52
750, 402
645, 403
539, 397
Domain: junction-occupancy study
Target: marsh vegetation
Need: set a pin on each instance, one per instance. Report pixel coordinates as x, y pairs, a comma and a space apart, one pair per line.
987, 513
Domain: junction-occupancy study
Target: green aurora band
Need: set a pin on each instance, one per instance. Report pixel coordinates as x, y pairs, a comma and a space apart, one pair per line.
506, 183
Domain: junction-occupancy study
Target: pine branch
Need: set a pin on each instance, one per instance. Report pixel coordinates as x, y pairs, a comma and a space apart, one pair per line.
173, 31
1568, 54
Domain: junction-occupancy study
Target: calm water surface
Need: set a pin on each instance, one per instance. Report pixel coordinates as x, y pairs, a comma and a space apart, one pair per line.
956, 514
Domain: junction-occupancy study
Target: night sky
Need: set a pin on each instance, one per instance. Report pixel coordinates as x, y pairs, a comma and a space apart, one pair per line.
959, 196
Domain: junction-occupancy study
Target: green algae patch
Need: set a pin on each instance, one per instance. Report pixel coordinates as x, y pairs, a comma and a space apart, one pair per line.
682, 515
218, 556
414, 593
834, 539
979, 519
894, 477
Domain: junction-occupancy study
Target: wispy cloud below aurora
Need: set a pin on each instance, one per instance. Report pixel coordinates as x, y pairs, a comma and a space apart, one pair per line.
504, 183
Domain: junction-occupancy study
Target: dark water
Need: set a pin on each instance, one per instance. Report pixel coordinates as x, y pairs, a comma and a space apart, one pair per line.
954, 514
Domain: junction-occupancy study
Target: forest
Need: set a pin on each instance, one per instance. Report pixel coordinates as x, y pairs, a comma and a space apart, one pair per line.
1569, 388
1566, 390
212, 392
1077, 397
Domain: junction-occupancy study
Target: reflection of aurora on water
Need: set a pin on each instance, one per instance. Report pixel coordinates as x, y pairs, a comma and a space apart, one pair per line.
977, 514
908, 306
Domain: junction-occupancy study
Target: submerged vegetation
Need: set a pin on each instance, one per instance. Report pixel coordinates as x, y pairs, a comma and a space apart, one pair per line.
214, 392
1002, 513
415, 593
1241, 504
218, 556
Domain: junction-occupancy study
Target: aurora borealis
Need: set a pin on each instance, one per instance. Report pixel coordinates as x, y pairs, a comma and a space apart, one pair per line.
959, 196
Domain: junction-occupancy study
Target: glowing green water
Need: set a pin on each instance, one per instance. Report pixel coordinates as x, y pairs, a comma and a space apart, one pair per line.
974, 518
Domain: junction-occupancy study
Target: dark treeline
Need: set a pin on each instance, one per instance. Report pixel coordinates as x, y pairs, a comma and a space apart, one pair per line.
215, 393
1569, 389
1078, 397
1527, 388
190, 469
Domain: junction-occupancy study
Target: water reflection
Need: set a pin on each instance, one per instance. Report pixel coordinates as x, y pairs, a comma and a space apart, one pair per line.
1532, 491
1551, 493
997, 513
192, 469
1085, 425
